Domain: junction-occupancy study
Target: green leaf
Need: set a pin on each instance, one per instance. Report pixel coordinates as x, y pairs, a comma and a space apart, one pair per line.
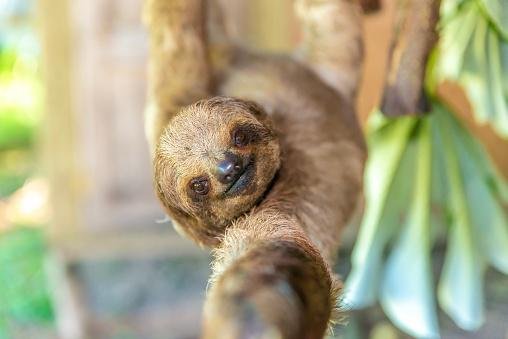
497, 10
387, 142
473, 52
455, 38
15, 131
483, 164
474, 76
500, 122
407, 294
24, 296
434, 164
460, 290
449, 8
489, 220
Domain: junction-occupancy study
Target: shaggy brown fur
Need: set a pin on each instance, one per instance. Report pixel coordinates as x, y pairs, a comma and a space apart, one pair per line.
289, 129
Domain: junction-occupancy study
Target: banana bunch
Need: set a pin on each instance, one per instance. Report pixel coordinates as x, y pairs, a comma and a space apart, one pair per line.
427, 179
473, 51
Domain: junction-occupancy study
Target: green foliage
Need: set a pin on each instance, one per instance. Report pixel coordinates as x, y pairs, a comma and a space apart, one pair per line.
16, 131
423, 172
10, 182
7, 62
24, 295
474, 52
15, 167
20, 106
427, 179
20, 100
497, 12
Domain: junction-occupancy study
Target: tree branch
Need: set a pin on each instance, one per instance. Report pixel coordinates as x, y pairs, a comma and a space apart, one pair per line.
414, 38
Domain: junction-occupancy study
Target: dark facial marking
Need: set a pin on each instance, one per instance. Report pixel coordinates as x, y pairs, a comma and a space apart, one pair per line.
246, 134
240, 138
200, 186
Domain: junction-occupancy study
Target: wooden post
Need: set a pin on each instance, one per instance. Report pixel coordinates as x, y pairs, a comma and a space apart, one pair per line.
58, 133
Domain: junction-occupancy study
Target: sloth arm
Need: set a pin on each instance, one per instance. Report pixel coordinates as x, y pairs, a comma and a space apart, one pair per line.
179, 69
268, 281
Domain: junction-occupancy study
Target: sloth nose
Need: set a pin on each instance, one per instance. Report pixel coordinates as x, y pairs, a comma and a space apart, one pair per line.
229, 170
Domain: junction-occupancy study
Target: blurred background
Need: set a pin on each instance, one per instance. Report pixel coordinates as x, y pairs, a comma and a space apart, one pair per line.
84, 249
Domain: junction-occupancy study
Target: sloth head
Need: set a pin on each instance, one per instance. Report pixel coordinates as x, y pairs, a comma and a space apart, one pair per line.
214, 161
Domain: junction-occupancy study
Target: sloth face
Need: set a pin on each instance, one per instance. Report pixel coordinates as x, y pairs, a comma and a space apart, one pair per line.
214, 161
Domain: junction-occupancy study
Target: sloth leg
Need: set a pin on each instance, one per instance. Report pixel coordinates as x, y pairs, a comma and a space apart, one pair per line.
179, 69
268, 281
332, 41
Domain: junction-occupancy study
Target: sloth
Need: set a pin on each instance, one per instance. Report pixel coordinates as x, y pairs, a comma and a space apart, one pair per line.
259, 157
215, 161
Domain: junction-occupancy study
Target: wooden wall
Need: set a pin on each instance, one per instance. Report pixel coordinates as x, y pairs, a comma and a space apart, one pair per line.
95, 59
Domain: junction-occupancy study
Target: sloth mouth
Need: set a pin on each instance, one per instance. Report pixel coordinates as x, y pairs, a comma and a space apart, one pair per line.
243, 182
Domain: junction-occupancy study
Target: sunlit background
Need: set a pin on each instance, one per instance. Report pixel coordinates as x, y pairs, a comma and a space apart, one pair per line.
84, 248
24, 210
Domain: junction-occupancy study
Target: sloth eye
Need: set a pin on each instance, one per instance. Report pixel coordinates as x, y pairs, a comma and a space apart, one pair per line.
240, 138
200, 185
